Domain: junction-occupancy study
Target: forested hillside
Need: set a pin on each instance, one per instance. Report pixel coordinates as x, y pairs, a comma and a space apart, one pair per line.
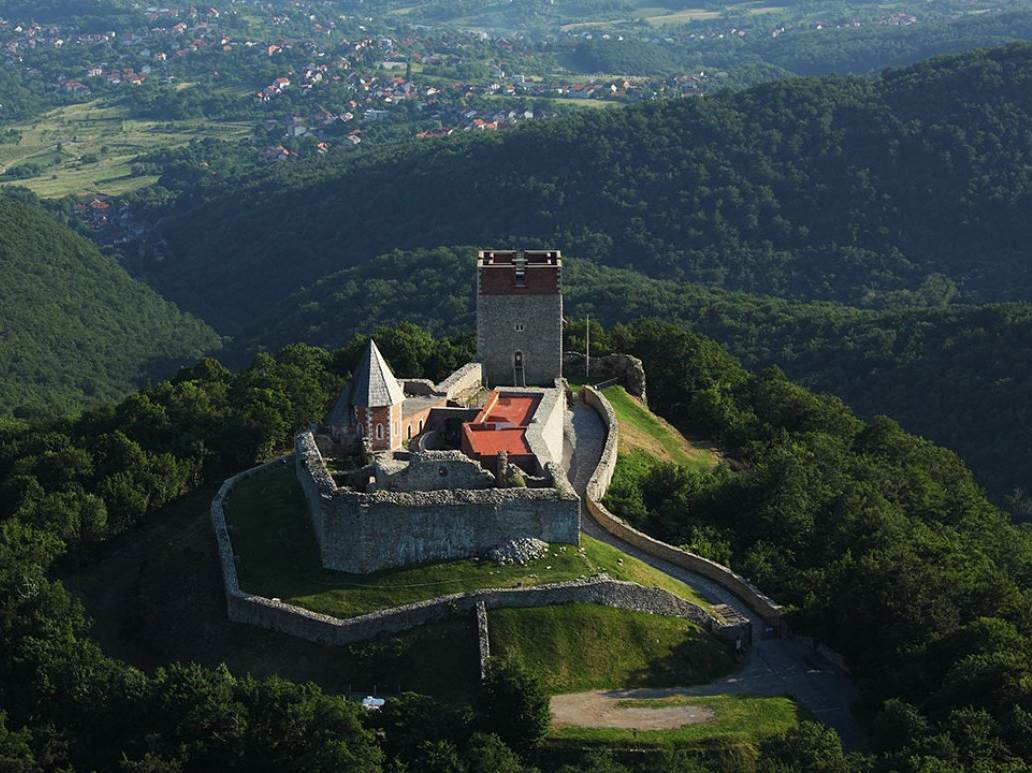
880, 542
75, 328
866, 191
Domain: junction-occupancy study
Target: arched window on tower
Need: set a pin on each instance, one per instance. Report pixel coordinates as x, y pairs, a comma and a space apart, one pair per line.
409, 431
379, 432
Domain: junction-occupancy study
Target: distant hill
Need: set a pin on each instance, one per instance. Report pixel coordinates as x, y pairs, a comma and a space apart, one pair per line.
908, 188
75, 328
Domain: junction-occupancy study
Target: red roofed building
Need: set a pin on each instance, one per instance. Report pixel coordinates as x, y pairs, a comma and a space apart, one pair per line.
501, 428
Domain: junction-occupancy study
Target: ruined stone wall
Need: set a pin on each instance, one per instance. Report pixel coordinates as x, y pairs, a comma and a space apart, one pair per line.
532, 324
597, 486
316, 482
423, 387
483, 638
626, 368
466, 379
366, 532
363, 532
433, 470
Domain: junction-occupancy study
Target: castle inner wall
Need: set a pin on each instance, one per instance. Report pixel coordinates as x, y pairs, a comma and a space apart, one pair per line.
361, 532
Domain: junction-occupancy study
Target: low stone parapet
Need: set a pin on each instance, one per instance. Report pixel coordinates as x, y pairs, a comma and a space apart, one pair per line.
467, 378
271, 613
597, 487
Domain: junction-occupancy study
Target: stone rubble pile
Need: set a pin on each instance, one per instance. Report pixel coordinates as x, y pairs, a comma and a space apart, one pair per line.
518, 551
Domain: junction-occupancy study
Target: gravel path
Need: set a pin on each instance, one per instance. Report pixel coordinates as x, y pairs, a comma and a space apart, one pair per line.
773, 666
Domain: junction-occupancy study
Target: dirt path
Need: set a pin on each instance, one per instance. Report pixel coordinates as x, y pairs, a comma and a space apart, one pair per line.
601, 708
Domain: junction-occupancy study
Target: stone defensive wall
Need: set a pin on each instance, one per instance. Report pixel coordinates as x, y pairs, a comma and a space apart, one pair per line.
243, 607
467, 378
362, 532
625, 369
597, 486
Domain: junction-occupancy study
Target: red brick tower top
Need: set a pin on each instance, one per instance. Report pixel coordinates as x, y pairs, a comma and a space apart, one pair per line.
509, 272
520, 316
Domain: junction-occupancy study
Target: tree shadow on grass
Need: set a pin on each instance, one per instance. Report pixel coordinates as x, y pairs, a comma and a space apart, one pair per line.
698, 658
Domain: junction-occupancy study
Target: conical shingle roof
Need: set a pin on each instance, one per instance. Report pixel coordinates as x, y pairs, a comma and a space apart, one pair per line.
372, 384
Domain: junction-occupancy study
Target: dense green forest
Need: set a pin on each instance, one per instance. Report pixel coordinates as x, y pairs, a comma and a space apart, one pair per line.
803, 188
897, 203
75, 328
879, 542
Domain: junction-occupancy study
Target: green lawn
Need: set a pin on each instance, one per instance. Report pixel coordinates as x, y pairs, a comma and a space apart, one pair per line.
587, 646
156, 596
737, 718
642, 430
96, 128
278, 557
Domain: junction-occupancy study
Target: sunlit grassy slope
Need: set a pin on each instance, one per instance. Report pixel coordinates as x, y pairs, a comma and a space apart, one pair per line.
642, 430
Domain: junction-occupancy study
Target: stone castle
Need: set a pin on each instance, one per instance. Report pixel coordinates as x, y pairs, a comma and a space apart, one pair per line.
407, 471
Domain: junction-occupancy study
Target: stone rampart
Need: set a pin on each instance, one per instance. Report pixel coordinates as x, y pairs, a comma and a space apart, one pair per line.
243, 607
597, 486
366, 532
465, 379
599, 482
483, 638
223, 543
363, 532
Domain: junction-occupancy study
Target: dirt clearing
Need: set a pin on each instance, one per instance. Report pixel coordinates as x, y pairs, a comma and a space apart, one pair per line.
609, 708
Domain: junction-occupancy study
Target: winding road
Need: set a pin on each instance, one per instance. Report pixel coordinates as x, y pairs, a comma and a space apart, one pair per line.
772, 666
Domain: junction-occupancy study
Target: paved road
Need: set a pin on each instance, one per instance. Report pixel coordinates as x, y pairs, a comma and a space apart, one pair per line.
773, 666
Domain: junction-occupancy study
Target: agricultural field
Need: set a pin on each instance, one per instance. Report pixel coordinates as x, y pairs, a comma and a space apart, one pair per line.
90, 148
660, 16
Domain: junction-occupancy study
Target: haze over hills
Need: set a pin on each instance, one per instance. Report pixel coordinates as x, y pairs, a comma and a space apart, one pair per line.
75, 328
810, 189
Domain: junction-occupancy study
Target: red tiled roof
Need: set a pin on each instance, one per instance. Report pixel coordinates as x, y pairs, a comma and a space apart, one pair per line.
501, 425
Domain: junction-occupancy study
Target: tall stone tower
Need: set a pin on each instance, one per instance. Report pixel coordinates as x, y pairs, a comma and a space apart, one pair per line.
520, 317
